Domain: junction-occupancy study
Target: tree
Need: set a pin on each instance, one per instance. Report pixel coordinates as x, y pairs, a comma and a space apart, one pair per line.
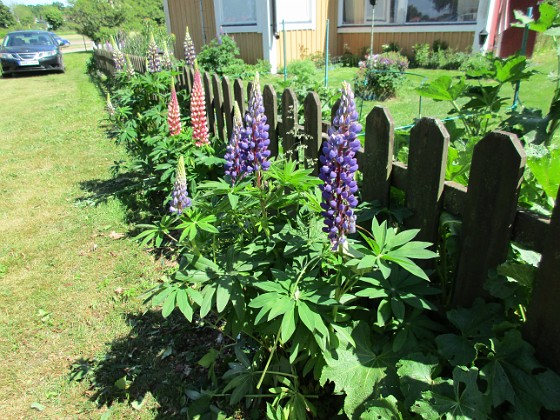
6, 16
24, 15
54, 17
97, 18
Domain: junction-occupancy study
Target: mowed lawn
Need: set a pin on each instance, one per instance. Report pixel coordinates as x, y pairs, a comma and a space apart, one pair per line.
67, 279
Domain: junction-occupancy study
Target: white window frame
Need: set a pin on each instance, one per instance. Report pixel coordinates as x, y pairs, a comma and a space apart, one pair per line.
233, 29
297, 26
367, 22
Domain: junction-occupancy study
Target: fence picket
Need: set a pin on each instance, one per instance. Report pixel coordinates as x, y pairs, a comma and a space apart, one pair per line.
227, 105
217, 103
206, 80
289, 119
377, 159
190, 78
312, 127
542, 328
496, 172
427, 160
271, 112
239, 95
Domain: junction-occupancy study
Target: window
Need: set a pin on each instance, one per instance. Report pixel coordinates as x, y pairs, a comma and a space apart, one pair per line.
359, 12
237, 13
297, 14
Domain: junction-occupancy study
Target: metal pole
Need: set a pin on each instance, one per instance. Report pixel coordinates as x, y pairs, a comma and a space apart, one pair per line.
372, 28
284, 42
327, 55
523, 52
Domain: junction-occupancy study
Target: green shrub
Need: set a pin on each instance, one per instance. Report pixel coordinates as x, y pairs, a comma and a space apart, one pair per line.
221, 56
439, 57
380, 76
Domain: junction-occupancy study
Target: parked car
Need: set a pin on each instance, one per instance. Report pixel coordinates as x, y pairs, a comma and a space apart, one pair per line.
24, 51
61, 41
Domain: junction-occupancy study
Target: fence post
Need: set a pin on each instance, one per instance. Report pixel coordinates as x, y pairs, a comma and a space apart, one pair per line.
189, 73
206, 80
312, 127
427, 160
218, 101
289, 119
496, 173
249, 90
228, 105
543, 327
377, 162
239, 95
271, 112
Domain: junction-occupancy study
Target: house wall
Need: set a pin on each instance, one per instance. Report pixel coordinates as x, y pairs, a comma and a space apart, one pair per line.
250, 46
356, 42
301, 43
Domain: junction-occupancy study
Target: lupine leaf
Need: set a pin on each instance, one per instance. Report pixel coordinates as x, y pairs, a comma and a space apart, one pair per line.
417, 373
382, 408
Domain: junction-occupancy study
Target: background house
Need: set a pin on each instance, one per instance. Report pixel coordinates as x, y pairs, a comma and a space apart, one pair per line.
257, 25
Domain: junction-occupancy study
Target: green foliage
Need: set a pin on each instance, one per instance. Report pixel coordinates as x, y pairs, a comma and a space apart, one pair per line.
54, 17
438, 57
6, 16
221, 56
23, 15
380, 76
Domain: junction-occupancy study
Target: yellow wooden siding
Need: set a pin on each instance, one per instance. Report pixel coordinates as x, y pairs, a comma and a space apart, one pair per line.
184, 13
250, 46
302, 43
358, 42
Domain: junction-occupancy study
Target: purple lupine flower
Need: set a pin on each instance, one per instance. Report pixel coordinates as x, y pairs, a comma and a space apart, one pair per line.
337, 171
118, 56
190, 54
152, 56
234, 154
180, 199
254, 140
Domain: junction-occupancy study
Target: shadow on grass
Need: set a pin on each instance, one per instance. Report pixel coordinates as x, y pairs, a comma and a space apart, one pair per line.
158, 357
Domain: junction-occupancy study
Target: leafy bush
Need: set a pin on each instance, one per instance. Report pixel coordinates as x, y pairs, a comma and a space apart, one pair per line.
380, 76
221, 56
440, 57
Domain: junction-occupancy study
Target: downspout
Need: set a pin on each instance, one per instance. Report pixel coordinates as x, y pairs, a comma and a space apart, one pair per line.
202, 23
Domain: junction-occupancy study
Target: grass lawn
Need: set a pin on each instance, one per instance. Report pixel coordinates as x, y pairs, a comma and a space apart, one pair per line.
70, 288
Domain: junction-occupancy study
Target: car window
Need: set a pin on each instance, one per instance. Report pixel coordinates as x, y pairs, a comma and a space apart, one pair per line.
25, 39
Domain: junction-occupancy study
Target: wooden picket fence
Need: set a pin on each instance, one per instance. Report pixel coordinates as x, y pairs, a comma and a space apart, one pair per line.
487, 207
105, 63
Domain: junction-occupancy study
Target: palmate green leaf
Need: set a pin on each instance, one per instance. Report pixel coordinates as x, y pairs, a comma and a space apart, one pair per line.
382, 408
311, 319
511, 69
356, 371
461, 400
442, 89
547, 171
417, 373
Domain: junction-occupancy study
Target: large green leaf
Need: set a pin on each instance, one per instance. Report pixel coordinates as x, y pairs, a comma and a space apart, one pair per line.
417, 373
357, 371
546, 170
442, 89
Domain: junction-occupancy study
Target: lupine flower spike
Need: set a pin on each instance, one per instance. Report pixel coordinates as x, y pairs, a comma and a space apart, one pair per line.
110, 108
233, 157
173, 112
180, 198
129, 67
118, 56
337, 171
154, 63
166, 59
255, 139
198, 110
190, 54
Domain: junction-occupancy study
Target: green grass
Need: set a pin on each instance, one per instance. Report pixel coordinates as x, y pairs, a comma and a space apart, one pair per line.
68, 290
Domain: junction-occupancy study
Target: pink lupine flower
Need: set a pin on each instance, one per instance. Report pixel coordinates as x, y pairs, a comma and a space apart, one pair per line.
174, 113
198, 111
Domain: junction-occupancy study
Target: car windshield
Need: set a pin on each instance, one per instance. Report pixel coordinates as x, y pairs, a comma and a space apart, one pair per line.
27, 39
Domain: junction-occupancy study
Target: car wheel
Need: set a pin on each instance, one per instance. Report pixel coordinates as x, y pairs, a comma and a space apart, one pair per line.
6, 75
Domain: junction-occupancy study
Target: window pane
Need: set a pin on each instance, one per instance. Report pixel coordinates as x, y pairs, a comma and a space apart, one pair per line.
239, 12
295, 11
359, 12
441, 11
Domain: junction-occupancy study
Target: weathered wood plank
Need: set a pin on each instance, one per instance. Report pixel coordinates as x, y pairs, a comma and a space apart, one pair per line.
289, 119
489, 211
239, 95
542, 328
427, 160
218, 107
189, 74
271, 112
378, 155
209, 98
312, 127
529, 229
227, 105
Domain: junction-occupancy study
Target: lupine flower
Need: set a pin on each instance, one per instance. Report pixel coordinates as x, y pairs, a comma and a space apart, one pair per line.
337, 171
180, 197
129, 67
174, 113
166, 59
118, 56
190, 54
110, 108
198, 111
234, 156
154, 63
254, 141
